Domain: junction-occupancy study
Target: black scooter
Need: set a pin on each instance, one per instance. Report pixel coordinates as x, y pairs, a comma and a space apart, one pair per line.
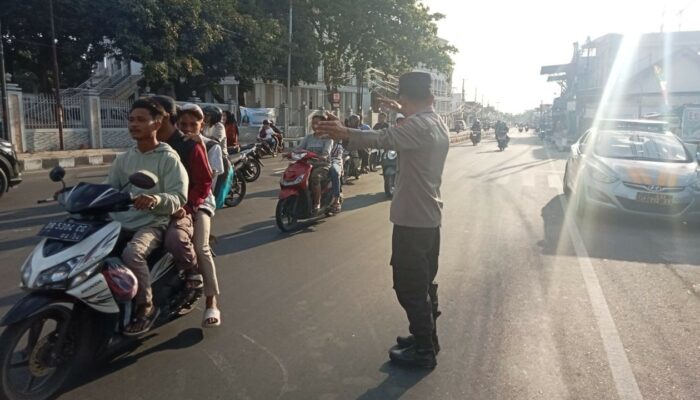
475, 137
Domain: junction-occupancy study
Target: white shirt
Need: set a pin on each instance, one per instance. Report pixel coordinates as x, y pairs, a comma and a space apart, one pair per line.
218, 133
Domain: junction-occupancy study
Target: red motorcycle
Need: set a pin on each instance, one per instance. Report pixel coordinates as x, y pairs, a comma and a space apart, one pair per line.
295, 202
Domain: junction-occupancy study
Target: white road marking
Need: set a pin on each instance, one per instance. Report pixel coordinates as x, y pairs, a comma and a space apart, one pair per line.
625, 381
279, 171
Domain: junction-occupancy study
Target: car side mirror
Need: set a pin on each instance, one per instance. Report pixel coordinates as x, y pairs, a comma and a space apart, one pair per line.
57, 174
143, 180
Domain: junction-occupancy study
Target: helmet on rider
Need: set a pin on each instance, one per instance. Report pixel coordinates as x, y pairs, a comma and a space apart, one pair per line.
213, 114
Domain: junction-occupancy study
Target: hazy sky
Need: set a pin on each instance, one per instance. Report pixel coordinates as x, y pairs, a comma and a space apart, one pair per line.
503, 43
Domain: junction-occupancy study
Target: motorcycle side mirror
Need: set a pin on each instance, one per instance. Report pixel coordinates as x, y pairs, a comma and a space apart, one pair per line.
57, 174
143, 180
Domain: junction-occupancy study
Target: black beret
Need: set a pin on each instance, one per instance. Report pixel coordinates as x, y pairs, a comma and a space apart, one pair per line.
415, 85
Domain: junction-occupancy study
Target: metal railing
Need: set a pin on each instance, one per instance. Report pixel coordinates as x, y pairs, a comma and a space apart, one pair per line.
114, 113
40, 112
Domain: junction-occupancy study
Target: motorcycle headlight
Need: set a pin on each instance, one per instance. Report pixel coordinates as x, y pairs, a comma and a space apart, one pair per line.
296, 181
391, 155
26, 274
88, 272
57, 277
602, 177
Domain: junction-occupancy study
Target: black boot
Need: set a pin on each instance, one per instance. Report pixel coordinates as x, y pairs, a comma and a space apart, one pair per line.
420, 355
407, 341
403, 342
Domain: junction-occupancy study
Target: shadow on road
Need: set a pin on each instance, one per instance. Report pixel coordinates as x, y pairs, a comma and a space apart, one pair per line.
272, 193
125, 356
254, 235
607, 235
396, 384
31, 216
363, 200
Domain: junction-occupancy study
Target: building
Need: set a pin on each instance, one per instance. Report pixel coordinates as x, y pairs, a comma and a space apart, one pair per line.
656, 74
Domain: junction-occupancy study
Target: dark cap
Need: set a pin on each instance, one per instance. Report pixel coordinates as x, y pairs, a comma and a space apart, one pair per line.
415, 85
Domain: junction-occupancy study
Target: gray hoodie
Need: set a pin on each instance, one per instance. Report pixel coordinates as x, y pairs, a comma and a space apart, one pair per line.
171, 189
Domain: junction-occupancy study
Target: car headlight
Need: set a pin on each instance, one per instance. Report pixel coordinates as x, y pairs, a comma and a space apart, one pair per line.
602, 177
57, 277
296, 181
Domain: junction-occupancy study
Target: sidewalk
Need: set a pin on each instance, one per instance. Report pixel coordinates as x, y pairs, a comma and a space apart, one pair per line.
75, 158
66, 159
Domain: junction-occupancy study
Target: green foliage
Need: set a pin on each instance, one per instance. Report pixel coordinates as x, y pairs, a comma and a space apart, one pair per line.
26, 32
192, 44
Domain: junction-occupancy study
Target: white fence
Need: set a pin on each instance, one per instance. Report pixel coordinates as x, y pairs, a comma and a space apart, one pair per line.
114, 113
40, 112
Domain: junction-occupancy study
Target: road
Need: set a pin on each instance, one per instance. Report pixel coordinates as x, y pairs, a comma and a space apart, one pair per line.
535, 305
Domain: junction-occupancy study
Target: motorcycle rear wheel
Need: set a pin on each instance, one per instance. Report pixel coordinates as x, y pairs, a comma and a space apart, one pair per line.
252, 171
237, 193
47, 373
284, 215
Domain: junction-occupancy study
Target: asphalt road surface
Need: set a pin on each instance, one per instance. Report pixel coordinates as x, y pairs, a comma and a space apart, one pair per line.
536, 305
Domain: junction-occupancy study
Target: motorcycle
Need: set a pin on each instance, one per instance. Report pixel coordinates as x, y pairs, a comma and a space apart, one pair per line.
374, 159
266, 148
76, 306
252, 166
389, 168
475, 137
503, 140
237, 192
351, 165
295, 202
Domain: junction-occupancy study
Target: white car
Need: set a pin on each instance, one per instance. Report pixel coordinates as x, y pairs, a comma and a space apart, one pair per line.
633, 169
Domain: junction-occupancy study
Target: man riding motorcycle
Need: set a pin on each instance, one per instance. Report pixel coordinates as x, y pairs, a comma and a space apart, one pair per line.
152, 208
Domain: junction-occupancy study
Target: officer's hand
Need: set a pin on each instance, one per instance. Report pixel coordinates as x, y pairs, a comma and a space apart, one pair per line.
145, 202
390, 104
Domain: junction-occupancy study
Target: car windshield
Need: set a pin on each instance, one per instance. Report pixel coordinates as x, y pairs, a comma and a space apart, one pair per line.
641, 146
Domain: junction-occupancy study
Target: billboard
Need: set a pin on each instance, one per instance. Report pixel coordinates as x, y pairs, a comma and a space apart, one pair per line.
256, 116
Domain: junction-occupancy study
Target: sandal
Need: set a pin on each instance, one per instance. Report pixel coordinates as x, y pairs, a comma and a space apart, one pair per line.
335, 209
144, 321
211, 314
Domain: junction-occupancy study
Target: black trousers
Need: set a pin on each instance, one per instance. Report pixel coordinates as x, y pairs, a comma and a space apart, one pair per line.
364, 156
414, 262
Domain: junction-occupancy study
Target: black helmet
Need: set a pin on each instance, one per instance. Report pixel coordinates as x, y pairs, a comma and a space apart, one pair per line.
214, 113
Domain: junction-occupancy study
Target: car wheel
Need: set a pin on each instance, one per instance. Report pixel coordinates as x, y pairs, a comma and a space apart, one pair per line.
567, 187
4, 182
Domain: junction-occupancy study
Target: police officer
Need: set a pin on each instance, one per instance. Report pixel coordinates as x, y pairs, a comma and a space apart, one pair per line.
422, 141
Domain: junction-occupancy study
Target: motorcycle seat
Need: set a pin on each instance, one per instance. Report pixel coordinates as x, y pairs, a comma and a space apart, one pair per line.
234, 158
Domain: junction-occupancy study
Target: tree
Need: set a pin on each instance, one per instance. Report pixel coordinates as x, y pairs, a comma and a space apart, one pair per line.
391, 35
80, 33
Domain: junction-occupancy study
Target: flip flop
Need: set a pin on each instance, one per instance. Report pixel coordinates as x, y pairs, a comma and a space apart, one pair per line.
211, 313
148, 320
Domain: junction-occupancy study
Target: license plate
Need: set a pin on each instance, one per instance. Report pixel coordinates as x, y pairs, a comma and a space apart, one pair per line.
68, 231
655, 198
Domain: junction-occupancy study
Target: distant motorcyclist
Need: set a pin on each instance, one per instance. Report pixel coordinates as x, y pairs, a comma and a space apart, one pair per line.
476, 126
501, 130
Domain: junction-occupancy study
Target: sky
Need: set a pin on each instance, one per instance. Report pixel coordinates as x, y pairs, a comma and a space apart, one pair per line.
503, 43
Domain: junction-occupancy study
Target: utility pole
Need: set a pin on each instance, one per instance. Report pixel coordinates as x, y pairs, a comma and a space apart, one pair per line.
462, 90
56, 81
289, 74
3, 89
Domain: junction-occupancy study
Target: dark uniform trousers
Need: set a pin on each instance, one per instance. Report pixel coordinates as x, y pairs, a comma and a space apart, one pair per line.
414, 262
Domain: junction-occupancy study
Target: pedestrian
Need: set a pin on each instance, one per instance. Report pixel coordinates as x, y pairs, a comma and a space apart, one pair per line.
231, 129
381, 124
422, 141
